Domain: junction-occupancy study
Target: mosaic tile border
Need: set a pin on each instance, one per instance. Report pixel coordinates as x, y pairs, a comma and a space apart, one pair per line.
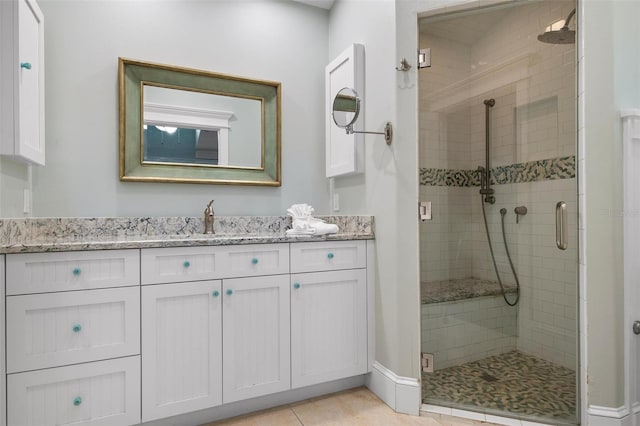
532, 171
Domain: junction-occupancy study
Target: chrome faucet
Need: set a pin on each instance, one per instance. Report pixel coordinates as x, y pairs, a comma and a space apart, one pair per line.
208, 218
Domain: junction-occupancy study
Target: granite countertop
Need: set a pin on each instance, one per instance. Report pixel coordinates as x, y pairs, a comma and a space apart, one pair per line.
459, 289
71, 234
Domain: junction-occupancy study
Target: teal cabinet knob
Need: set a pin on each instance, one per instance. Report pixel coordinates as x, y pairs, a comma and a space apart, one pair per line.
215, 293
76, 328
25, 65
76, 271
254, 261
329, 255
296, 285
186, 263
229, 292
77, 401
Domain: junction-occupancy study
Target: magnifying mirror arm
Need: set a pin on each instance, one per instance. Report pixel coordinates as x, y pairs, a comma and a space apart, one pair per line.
388, 132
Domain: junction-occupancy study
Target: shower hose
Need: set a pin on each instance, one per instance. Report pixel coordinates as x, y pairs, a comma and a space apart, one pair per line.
503, 212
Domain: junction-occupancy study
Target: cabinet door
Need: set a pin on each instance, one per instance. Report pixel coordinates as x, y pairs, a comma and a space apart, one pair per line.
31, 82
344, 152
255, 337
328, 326
181, 354
22, 80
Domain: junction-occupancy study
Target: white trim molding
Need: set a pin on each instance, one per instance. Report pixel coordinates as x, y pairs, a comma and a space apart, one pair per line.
402, 394
631, 173
607, 416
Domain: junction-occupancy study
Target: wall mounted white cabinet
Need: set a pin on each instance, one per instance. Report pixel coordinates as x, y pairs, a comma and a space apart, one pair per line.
344, 154
22, 81
181, 348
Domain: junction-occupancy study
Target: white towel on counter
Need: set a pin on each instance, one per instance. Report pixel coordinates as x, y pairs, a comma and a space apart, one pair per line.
305, 224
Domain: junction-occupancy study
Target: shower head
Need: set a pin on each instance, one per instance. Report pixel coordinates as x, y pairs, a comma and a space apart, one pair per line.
489, 102
562, 36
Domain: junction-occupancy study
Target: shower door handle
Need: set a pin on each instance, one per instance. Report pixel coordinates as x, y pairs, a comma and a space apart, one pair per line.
561, 226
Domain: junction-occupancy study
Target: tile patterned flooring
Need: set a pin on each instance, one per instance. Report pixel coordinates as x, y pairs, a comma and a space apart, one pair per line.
520, 384
355, 407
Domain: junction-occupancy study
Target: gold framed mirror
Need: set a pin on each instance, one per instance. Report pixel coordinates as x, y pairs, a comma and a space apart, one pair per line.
193, 126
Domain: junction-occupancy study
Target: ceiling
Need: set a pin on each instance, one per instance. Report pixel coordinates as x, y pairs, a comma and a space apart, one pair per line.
323, 4
466, 29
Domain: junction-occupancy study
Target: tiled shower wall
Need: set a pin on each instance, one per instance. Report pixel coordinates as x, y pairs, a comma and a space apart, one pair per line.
533, 119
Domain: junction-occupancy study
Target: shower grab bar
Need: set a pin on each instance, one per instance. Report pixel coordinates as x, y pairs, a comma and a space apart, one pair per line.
562, 236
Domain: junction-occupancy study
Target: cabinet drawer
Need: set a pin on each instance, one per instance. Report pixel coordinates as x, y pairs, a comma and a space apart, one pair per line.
50, 330
48, 272
327, 256
99, 393
257, 259
166, 265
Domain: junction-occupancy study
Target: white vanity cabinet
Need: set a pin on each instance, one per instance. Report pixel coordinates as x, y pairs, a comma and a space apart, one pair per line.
22, 81
328, 311
3, 375
119, 337
73, 349
181, 348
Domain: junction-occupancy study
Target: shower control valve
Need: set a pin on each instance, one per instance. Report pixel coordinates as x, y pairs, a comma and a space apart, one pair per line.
520, 211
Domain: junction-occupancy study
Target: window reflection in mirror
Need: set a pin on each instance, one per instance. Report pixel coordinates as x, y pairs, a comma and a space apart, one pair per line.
201, 129
166, 144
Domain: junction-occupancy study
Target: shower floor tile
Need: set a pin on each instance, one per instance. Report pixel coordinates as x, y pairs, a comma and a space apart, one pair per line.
517, 384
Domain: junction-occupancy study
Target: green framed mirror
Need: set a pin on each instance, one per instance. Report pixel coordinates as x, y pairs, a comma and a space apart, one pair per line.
192, 126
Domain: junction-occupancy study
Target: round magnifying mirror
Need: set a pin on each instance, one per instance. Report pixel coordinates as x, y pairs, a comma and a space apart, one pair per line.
346, 107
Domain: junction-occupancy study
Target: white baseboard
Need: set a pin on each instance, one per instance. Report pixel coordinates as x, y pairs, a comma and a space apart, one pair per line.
607, 416
256, 404
402, 394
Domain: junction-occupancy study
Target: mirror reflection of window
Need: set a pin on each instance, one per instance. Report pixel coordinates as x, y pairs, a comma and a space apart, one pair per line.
180, 145
214, 129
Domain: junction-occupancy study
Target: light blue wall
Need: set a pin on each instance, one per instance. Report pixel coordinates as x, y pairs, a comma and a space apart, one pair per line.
388, 187
262, 39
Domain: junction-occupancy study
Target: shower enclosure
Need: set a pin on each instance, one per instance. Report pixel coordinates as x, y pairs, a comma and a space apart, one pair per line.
498, 136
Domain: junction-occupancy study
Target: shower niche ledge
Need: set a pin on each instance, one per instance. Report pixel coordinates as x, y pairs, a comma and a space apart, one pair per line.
461, 289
